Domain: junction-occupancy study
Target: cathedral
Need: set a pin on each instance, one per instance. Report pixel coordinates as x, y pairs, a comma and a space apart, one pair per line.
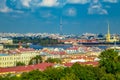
108, 36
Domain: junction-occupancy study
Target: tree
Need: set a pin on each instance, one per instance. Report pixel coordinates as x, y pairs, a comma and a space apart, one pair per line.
70, 76
109, 60
54, 60
99, 72
36, 60
108, 77
10, 77
54, 73
1, 78
20, 64
34, 75
83, 72
117, 75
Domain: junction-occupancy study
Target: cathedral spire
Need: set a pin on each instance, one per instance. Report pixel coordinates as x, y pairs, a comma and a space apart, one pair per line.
108, 34
108, 28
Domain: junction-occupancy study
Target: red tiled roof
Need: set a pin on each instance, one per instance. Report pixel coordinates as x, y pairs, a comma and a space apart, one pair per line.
73, 48
41, 66
84, 63
58, 52
13, 51
92, 63
68, 64
19, 50
25, 49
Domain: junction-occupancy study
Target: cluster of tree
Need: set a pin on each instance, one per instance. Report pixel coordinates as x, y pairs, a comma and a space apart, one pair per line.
13, 46
53, 60
20, 64
35, 60
38, 59
10, 46
108, 69
36, 40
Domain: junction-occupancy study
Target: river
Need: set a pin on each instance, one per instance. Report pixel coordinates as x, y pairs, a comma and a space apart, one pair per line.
61, 46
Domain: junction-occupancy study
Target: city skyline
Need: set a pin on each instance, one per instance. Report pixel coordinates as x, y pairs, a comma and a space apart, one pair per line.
78, 16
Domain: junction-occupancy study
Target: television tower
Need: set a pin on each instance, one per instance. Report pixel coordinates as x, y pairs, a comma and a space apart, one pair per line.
61, 26
61, 19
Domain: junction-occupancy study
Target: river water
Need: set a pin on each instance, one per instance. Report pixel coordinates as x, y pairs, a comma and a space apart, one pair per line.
60, 46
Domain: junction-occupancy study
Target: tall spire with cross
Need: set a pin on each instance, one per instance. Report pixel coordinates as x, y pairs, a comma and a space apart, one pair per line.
108, 34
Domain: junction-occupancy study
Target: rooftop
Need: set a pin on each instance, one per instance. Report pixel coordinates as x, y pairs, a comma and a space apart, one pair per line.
2, 54
41, 66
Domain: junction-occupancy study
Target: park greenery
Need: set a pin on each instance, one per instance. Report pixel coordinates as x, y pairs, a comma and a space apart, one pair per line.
20, 64
36, 40
53, 60
36, 60
108, 69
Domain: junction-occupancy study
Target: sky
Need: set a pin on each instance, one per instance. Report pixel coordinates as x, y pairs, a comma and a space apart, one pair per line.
45, 16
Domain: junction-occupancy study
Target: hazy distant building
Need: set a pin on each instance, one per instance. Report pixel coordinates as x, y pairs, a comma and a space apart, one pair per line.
1, 47
6, 41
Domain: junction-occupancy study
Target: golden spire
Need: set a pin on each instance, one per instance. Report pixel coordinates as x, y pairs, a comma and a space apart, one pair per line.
108, 34
108, 28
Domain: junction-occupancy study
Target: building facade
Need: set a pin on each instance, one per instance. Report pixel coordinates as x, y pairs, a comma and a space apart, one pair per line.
1, 47
11, 60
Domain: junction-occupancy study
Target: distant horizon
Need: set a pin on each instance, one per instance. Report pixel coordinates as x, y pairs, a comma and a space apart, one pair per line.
57, 33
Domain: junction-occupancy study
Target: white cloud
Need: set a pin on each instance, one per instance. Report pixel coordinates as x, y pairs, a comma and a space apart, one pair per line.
70, 12
107, 6
111, 1
97, 11
3, 7
18, 11
49, 3
95, 1
46, 14
96, 8
26, 3
78, 1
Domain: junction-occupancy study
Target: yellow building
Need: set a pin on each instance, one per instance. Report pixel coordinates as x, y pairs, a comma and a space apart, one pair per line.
1, 47
11, 60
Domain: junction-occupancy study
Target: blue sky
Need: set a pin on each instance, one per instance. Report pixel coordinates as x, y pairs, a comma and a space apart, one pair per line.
78, 16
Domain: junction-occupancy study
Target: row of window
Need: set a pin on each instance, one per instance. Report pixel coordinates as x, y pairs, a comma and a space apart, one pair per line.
15, 58
6, 63
12, 63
